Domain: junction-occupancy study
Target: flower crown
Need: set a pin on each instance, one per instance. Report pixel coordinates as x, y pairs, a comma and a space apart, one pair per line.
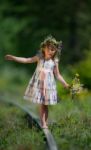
51, 41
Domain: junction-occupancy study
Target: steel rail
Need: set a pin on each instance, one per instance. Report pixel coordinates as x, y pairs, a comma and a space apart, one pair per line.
51, 144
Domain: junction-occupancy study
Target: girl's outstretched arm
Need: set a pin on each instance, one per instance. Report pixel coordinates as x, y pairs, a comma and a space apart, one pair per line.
60, 77
22, 59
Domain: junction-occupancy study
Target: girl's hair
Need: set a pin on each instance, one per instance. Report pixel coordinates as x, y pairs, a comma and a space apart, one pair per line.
50, 41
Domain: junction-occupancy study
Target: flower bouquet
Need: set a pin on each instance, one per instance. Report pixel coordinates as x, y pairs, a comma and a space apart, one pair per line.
76, 87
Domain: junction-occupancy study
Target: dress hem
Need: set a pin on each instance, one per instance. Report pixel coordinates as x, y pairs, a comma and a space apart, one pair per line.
29, 99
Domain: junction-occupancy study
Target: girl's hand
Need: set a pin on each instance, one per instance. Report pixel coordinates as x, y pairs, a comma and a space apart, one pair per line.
9, 57
67, 86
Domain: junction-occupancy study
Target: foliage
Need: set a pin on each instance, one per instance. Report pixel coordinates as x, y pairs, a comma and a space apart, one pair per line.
15, 132
83, 68
72, 125
76, 87
24, 24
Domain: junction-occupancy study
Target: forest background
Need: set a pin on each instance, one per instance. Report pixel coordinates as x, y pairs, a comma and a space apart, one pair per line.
23, 26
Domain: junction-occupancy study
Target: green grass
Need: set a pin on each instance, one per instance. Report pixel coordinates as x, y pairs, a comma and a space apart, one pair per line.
73, 124
15, 132
72, 118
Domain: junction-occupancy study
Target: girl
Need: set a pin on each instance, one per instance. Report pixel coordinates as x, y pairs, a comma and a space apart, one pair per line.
42, 86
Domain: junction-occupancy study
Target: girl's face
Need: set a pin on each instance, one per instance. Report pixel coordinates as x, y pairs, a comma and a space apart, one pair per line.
49, 52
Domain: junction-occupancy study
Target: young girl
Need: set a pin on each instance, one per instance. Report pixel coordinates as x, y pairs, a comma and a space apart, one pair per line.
42, 86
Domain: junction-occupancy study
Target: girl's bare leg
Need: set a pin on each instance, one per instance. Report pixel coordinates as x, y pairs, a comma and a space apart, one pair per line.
44, 115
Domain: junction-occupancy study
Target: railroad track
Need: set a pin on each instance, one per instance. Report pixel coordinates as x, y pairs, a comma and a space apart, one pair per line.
51, 144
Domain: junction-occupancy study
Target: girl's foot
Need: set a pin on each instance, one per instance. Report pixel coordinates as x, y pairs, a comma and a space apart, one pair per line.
45, 126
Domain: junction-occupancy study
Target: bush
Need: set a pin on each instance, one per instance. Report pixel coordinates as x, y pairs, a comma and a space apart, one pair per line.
83, 68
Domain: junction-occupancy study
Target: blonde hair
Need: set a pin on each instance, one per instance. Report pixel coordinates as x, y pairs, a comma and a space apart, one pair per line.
50, 41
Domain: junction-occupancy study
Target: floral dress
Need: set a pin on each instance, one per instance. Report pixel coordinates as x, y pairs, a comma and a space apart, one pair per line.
42, 86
